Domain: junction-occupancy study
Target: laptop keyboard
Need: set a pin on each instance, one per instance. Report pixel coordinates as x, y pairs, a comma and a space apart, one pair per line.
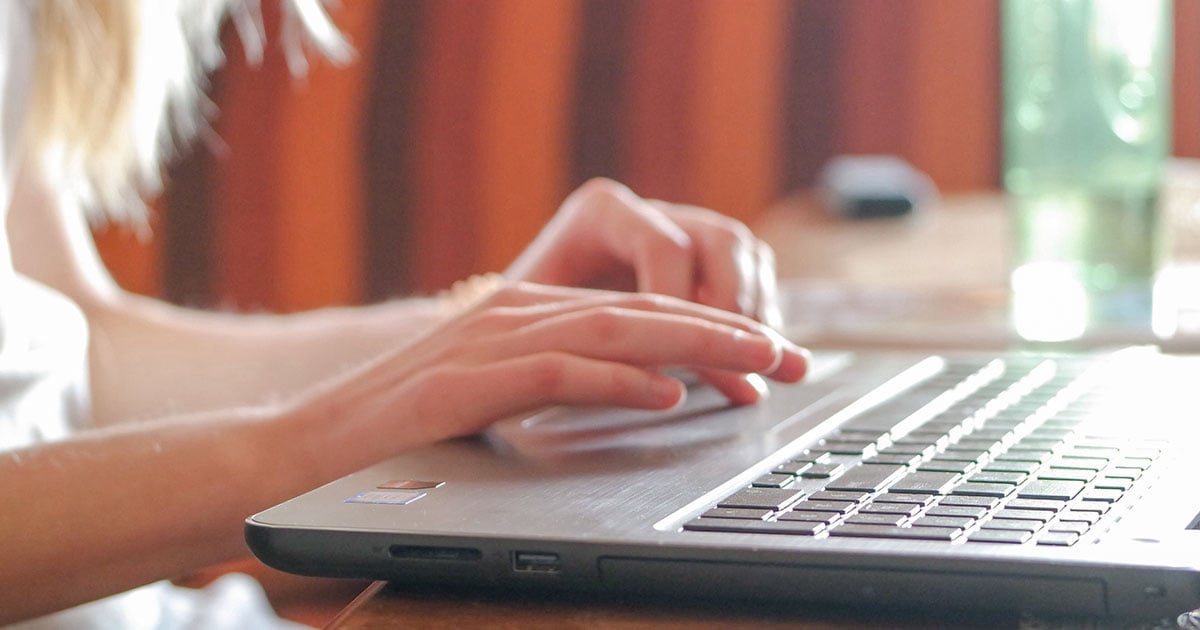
1000, 452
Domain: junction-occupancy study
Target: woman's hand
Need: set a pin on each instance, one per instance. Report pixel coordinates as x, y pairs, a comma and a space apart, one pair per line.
605, 236
529, 346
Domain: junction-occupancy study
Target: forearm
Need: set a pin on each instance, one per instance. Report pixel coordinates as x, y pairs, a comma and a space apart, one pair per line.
149, 358
114, 509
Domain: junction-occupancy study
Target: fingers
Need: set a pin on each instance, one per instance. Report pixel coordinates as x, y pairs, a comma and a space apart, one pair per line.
729, 358
647, 329
658, 251
605, 236
528, 347
552, 378
769, 311
735, 270
521, 303
648, 338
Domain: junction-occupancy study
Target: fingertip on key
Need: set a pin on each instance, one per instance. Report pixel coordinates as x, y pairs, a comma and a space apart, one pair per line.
793, 364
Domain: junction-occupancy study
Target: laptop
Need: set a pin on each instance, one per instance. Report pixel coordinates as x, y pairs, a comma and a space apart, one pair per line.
1064, 484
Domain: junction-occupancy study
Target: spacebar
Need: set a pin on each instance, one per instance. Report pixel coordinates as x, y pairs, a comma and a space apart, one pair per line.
866, 477
888, 531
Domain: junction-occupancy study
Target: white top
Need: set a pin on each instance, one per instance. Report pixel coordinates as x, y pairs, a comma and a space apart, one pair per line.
43, 392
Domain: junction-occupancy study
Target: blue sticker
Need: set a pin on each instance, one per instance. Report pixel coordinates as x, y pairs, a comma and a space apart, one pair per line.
387, 497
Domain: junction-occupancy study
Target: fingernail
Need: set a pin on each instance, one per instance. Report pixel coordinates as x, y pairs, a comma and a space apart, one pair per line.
760, 385
779, 346
666, 392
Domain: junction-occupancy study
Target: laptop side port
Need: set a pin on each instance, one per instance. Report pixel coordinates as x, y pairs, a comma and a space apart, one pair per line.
441, 554
543, 562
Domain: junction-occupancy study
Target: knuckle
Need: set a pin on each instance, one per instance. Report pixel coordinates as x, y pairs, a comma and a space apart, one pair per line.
547, 373
664, 245
504, 293
428, 393
595, 194
602, 187
766, 253
486, 319
605, 323
650, 301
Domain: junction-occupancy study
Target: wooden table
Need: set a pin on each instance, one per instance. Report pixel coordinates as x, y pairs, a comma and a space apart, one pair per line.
386, 606
938, 277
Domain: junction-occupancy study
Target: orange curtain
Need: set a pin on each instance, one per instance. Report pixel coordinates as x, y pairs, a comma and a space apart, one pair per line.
451, 140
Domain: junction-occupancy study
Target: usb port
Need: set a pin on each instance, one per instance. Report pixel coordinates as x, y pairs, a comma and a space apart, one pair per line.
536, 562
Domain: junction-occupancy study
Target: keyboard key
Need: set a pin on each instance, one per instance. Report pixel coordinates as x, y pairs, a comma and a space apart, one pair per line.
905, 509
1032, 443
903, 497
861, 448
978, 456
992, 434
1018, 514
1014, 537
886, 531
762, 498
876, 519
974, 443
1098, 507
1051, 433
1079, 463
926, 482
791, 468
873, 436
1124, 472
1001, 466
1078, 452
866, 477
810, 456
773, 481
983, 489
1111, 483
1078, 528
888, 415
810, 515
1050, 489
1058, 539
934, 432
841, 507
1037, 457
834, 495
1048, 505
895, 458
1067, 474
1010, 478
822, 471
1105, 495
1005, 524
1075, 516
938, 464
957, 522
961, 511
742, 513
793, 528
921, 443
971, 501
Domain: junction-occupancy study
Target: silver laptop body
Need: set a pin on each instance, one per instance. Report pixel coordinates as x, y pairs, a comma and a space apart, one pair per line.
807, 496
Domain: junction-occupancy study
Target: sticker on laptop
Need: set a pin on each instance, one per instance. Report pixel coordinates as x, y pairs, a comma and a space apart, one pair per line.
386, 497
410, 484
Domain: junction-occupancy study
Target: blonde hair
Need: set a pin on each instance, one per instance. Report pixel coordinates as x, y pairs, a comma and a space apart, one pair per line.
118, 85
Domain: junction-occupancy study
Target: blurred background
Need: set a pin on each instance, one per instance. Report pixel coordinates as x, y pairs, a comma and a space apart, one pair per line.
464, 123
